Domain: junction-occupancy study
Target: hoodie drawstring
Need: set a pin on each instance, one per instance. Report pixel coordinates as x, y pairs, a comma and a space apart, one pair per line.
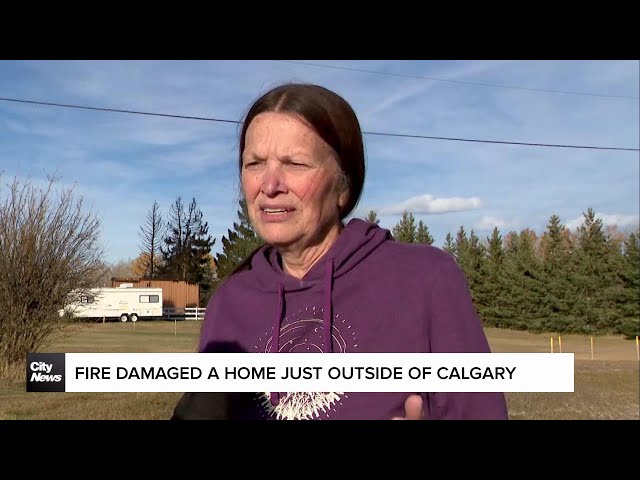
277, 319
327, 324
275, 336
327, 321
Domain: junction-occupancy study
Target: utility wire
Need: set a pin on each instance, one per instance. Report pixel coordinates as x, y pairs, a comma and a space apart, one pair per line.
364, 132
422, 77
115, 110
502, 142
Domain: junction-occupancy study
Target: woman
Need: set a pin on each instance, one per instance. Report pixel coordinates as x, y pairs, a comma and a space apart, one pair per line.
319, 285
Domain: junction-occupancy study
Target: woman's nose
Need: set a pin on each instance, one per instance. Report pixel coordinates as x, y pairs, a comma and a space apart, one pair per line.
272, 181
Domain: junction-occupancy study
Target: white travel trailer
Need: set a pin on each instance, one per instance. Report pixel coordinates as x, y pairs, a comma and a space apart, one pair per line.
124, 303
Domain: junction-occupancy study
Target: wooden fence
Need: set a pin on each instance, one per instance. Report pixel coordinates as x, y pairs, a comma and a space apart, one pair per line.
190, 313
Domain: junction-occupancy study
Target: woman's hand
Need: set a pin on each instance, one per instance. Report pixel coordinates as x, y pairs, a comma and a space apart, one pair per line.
412, 409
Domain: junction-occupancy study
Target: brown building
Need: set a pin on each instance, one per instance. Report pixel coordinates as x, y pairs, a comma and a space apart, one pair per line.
175, 294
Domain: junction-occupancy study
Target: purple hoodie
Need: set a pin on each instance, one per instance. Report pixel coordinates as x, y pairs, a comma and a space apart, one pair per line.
374, 295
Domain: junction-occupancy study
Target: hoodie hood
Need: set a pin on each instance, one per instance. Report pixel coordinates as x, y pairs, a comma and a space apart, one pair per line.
358, 239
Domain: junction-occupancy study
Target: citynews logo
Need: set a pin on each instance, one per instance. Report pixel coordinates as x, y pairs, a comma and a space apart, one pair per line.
45, 372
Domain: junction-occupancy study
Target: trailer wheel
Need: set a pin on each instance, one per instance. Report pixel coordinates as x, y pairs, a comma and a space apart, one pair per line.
124, 317
134, 317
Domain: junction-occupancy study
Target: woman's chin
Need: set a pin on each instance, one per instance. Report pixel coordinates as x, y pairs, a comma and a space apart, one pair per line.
277, 237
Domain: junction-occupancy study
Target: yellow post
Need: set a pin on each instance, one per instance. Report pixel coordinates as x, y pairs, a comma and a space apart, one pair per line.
551, 343
637, 349
560, 343
591, 348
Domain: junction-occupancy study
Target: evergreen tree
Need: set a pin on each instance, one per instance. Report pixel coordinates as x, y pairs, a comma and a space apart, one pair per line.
187, 244
449, 245
629, 303
237, 245
461, 246
405, 229
470, 256
556, 260
596, 277
464, 258
520, 303
423, 235
490, 284
372, 217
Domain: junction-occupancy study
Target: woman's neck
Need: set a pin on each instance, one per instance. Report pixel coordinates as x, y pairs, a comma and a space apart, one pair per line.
298, 262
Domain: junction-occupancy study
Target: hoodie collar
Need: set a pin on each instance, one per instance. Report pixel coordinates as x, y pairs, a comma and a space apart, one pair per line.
358, 239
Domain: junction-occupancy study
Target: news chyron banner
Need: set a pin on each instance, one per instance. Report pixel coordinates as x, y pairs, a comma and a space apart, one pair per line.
300, 372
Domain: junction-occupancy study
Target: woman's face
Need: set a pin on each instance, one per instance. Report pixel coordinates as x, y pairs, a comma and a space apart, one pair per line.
291, 181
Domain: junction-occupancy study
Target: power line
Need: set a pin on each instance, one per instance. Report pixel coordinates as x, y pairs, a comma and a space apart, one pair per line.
502, 142
481, 84
116, 110
386, 134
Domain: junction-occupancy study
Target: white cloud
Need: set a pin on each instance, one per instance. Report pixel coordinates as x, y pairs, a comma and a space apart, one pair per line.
488, 222
608, 219
426, 204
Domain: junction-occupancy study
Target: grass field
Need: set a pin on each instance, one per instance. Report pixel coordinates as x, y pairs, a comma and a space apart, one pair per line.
606, 387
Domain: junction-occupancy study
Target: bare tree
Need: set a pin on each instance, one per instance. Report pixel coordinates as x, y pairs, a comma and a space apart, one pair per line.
49, 256
151, 236
119, 269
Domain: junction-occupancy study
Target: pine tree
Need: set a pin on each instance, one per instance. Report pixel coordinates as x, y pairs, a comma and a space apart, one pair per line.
372, 217
596, 278
461, 246
464, 256
556, 260
237, 245
449, 245
423, 235
490, 284
520, 304
187, 244
405, 229
471, 254
629, 300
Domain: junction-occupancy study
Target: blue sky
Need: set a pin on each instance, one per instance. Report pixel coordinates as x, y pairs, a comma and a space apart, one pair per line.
122, 163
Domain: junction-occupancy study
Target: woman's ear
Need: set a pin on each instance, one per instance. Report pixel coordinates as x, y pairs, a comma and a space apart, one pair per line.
342, 199
343, 191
